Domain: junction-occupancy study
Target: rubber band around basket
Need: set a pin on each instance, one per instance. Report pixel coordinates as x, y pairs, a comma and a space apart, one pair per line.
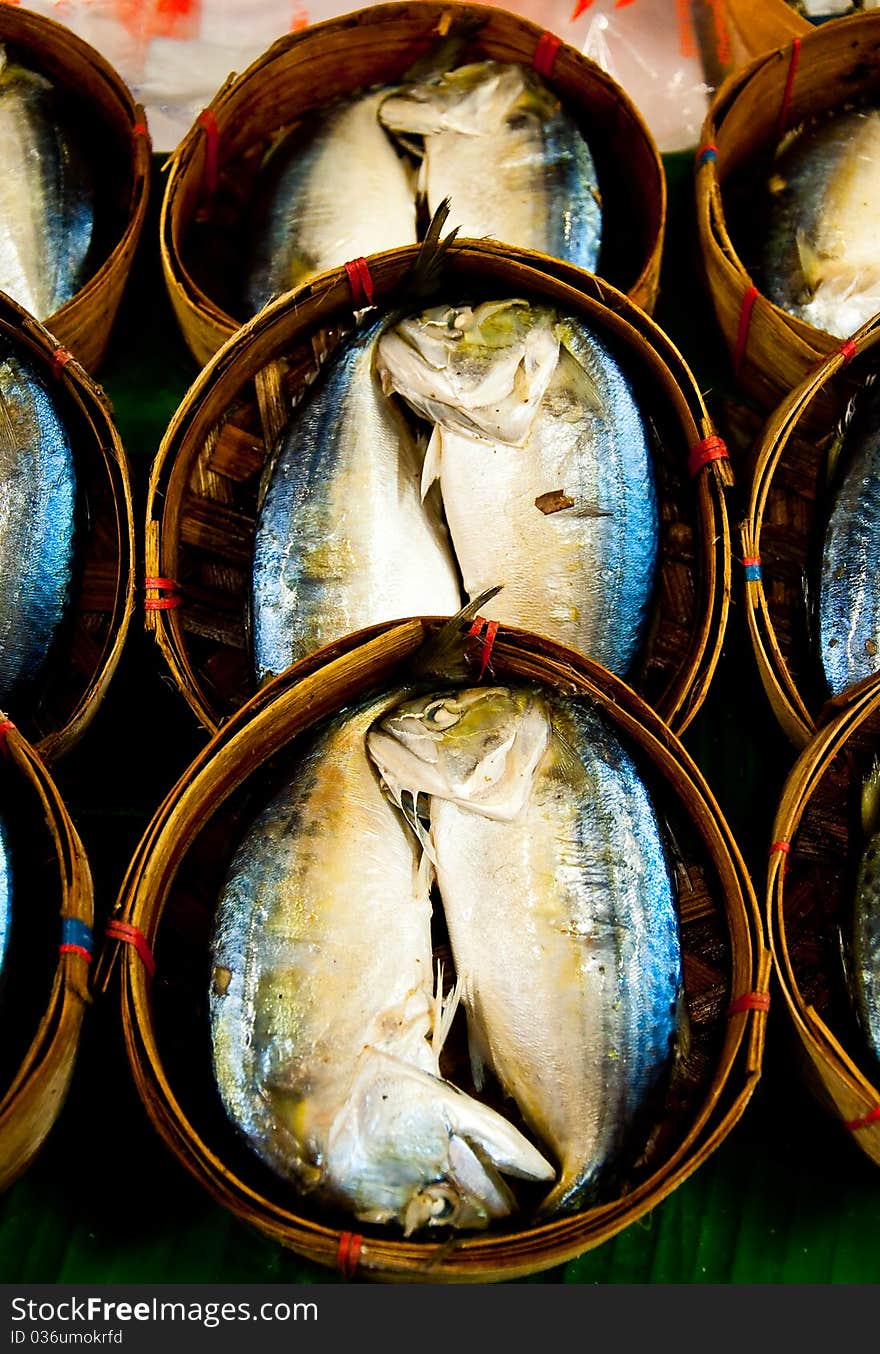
749, 1001
166, 585
710, 449
131, 935
848, 351
361, 283
349, 1253
544, 55
208, 123
76, 938
871, 1118
750, 296
706, 154
789, 85
752, 569
6, 725
60, 359
485, 630
141, 129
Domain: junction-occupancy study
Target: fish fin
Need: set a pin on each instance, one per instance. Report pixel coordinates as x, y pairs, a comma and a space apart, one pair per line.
871, 799
575, 376
564, 764
810, 262
433, 460
443, 654
453, 38
424, 276
444, 1012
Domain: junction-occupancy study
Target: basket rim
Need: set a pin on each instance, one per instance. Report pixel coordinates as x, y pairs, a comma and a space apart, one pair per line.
643, 727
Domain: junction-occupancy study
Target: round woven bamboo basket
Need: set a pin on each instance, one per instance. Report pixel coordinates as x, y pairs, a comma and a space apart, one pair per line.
210, 185
45, 979
170, 895
761, 25
57, 709
114, 131
817, 841
781, 535
202, 498
830, 66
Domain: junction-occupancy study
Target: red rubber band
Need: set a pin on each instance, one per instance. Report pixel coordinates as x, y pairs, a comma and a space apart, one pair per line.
163, 603
784, 847
208, 122
60, 359
166, 584
5, 726
76, 949
848, 351
789, 84
749, 1001
141, 129
361, 283
130, 935
745, 317
855, 1124
349, 1253
487, 630
547, 46
753, 560
710, 449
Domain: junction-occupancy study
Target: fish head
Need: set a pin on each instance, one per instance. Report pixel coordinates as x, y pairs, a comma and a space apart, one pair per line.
481, 370
410, 1148
471, 100
479, 747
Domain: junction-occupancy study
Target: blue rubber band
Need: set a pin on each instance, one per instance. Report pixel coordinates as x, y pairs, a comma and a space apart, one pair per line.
76, 932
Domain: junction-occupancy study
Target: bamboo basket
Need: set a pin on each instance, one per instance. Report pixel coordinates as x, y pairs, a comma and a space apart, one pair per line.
114, 127
771, 351
818, 839
781, 536
760, 25
170, 895
212, 173
57, 710
202, 498
53, 894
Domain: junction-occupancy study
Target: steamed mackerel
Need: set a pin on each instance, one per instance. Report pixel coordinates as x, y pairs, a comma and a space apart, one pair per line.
326, 1030
37, 507
560, 908
336, 189
819, 259
865, 976
497, 142
849, 601
343, 540
545, 470
46, 196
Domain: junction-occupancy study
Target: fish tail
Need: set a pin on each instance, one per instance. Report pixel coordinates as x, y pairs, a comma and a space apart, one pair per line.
446, 51
443, 655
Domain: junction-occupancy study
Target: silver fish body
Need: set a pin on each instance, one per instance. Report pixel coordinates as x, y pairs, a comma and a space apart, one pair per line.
37, 523
560, 509
326, 1030
343, 539
560, 907
849, 602
819, 260
335, 190
498, 143
47, 213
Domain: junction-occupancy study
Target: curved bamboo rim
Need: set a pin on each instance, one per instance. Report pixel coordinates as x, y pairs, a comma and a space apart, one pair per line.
204, 323
83, 323
790, 707
761, 25
840, 1082
93, 408
256, 344
296, 700
30, 1105
771, 350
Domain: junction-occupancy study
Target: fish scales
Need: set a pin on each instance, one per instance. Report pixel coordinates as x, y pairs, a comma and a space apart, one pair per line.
322, 1010
37, 519
849, 603
46, 195
335, 190
343, 539
561, 916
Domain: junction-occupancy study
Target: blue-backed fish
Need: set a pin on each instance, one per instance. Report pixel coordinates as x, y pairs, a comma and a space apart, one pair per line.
544, 464
848, 600
865, 946
551, 866
335, 189
47, 195
37, 522
343, 539
327, 1022
496, 141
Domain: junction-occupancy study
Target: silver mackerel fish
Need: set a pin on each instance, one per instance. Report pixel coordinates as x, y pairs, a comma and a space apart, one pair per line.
544, 466
326, 1018
560, 907
47, 212
497, 141
343, 539
37, 520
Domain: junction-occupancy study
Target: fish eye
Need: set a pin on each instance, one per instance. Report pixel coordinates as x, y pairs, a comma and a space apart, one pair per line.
442, 714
